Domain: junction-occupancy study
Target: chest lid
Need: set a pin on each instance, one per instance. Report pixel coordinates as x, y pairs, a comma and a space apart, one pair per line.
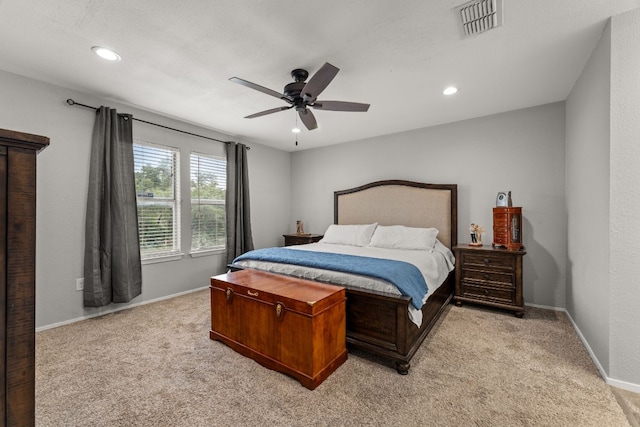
296, 294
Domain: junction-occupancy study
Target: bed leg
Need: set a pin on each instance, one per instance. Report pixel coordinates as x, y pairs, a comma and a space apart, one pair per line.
403, 367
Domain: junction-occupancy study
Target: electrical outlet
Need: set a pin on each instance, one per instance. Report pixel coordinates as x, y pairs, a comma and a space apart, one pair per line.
80, 284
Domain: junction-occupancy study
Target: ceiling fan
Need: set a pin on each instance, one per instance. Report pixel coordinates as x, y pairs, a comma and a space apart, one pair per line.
300, 95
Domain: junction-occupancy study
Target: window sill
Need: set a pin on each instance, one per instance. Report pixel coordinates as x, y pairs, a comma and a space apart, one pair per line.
206, 252
163, 258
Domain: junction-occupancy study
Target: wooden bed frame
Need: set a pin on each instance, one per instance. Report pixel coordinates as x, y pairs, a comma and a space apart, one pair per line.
378, 322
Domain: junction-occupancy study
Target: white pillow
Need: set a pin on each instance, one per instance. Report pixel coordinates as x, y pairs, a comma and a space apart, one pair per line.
354, 235
401, 237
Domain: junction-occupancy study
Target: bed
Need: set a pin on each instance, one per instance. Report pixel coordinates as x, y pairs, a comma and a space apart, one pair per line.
380, 321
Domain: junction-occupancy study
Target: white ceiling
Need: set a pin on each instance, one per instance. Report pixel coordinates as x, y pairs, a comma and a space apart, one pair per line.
396, 55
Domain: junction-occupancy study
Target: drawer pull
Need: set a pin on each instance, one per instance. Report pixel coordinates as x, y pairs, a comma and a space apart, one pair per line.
279, 307
485, 276
252, 294
486, 291
486, 260
229, 293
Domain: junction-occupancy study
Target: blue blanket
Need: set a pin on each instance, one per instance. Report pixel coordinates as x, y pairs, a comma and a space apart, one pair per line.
405, 276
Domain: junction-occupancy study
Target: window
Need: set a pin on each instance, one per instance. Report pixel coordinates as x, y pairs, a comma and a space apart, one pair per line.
208, 189
158, 195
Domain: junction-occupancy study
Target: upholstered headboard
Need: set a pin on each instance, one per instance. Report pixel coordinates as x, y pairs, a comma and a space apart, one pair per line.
396, 202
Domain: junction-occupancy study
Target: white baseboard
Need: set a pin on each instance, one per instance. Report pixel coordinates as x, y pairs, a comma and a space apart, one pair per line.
610, 381
113, 310
546, 307
624, 385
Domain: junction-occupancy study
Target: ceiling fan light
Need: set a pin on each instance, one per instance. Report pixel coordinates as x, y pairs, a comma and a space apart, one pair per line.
105, 53
295, 130
450, 90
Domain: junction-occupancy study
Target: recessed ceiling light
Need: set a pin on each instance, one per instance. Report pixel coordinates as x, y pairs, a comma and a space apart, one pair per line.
105, 53
450, 90
295, 130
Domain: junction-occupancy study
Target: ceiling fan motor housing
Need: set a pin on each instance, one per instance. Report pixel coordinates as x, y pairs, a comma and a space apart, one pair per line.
292, 91
299, 74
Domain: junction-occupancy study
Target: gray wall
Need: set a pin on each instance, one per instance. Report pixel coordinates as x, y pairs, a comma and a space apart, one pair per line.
624, 295
587, 176
603, 154
522, 151
35, 107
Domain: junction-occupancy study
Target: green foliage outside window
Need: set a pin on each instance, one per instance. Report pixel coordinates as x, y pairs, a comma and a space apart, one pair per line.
207, 226
208, 182
155, 171
155, 180
155, 226
157, 188
204, 186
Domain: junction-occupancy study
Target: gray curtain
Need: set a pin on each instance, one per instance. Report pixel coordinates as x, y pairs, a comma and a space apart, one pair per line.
239, 239
112, 267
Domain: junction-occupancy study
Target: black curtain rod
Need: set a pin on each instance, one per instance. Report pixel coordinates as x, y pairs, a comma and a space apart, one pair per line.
72, 102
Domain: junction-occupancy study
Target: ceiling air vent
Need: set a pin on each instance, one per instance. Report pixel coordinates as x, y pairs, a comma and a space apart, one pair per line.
478, 16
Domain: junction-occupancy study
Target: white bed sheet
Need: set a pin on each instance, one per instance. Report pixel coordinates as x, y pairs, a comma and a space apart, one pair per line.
434, 265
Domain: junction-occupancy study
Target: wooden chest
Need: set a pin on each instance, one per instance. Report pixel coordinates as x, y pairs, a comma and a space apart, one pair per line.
287, 324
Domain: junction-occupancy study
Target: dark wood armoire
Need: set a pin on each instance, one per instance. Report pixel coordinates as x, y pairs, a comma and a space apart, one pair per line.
17, 275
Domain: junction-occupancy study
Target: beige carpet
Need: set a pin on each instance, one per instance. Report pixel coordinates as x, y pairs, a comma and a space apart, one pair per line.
155, 365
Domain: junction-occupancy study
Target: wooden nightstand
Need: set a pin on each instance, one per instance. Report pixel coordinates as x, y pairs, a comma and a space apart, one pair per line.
301, 239
489, 276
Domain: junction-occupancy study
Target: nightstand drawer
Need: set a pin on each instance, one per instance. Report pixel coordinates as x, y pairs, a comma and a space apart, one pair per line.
489, 276
485, 293
486, 275
488, 260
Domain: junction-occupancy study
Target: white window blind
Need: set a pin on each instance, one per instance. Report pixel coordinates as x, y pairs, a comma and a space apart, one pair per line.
158, 195
208, 189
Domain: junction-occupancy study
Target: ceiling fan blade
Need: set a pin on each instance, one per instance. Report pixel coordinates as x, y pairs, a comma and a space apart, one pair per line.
271, 111
340, 106
257, 87
308, 119
319, 82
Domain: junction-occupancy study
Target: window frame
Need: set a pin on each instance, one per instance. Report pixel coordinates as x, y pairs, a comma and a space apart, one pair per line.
175, 202
203, 251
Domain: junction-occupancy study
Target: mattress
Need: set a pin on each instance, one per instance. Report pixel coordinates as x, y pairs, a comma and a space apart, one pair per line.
434, 265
